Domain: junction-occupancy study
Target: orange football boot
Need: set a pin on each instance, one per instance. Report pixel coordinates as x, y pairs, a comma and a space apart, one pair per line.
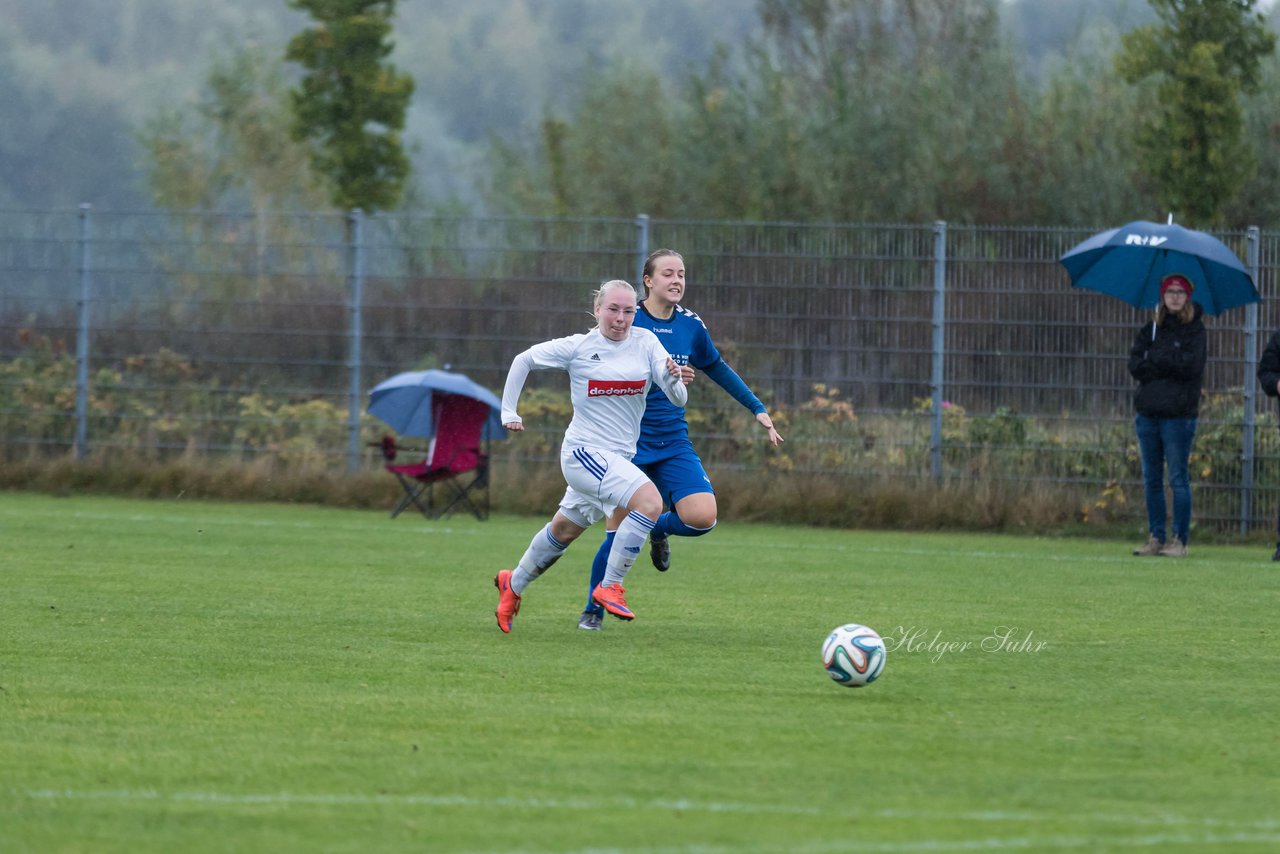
508, 600
613, 599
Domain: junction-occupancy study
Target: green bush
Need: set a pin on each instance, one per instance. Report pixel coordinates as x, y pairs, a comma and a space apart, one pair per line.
836, 466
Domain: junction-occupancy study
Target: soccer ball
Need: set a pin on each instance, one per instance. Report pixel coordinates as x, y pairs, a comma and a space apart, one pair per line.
853, 655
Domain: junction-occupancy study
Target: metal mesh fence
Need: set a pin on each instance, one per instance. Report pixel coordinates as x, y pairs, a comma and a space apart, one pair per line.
244, 335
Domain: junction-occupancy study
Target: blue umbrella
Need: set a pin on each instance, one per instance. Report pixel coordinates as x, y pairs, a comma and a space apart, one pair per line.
1129, 262
404, 402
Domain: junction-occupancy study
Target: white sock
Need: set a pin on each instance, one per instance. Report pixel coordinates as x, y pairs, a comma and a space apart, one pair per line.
627, 543
543, 551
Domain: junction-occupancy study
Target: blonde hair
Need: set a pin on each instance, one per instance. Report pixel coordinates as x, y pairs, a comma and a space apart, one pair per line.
597, 296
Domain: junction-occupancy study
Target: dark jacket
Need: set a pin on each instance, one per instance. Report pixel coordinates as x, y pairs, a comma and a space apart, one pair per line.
1169, 368
1269, 366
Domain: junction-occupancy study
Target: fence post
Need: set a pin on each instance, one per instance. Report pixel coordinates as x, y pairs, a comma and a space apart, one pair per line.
355, 273
81, 445
1250, 388
642, 250
939, 342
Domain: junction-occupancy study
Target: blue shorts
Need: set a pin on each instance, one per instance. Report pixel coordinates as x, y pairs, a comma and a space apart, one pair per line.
674, 468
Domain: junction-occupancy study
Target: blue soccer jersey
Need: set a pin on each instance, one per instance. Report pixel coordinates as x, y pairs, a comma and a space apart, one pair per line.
686, 338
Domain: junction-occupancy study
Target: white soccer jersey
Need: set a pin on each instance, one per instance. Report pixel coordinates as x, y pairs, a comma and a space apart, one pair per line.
608, 382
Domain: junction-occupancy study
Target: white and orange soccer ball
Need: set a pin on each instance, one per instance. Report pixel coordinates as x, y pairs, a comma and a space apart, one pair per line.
853, 655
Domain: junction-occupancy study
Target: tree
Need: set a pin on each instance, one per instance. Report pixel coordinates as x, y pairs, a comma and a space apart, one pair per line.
1084, 157
349, 108
230, 150
60, 145
846, 110
617, 156
1259, 202
1200, 58
910, 104
234, 147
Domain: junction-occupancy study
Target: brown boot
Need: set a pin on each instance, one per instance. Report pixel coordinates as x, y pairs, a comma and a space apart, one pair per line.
1151, 548
1174, 548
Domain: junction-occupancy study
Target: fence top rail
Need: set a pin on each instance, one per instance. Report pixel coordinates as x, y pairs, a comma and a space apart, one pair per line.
952, 227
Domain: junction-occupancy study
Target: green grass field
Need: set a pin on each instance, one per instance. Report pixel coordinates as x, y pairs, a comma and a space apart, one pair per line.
181, 676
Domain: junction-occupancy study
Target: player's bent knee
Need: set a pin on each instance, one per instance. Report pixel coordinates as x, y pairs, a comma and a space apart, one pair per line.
646, 505
646, 501
697, 512
700, 524
649, 509
697, 529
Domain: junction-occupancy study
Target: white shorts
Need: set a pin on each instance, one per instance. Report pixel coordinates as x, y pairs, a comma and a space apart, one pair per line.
599, 483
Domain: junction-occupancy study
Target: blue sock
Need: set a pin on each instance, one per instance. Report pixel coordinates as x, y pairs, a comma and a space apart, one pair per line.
669, 524
598, 565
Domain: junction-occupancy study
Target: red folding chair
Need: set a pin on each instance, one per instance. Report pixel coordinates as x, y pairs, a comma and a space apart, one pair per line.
457, 461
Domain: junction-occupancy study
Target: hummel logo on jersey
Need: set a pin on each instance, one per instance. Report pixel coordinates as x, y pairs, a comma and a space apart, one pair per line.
595, 357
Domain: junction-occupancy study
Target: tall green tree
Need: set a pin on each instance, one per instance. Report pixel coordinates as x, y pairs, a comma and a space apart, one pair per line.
349, 108
1198, 59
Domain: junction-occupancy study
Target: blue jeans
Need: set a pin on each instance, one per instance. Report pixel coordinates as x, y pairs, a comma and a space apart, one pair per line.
1166, 441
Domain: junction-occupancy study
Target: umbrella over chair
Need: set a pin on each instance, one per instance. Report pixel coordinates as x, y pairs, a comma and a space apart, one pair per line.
1128, 263
403, 402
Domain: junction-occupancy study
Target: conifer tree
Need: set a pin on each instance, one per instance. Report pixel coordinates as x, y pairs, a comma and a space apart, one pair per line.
349, 108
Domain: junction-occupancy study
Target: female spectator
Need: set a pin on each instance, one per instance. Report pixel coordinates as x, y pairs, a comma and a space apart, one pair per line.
1167, 359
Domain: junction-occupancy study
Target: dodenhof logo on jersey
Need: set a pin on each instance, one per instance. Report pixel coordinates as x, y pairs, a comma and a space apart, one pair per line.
614, 388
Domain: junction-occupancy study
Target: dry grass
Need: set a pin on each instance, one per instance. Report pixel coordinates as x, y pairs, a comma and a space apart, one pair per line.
535, 488
916, 504
261, 481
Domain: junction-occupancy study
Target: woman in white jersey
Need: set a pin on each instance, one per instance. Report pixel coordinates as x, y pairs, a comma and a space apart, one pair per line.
610, 370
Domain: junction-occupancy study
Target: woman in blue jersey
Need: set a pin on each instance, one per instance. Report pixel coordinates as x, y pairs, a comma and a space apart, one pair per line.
664, 451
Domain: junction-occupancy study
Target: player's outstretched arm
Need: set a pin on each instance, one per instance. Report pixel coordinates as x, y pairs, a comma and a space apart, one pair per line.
521, 365
727, 378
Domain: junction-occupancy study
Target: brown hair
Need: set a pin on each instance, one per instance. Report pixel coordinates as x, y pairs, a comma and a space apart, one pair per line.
1185, 315
653, 257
